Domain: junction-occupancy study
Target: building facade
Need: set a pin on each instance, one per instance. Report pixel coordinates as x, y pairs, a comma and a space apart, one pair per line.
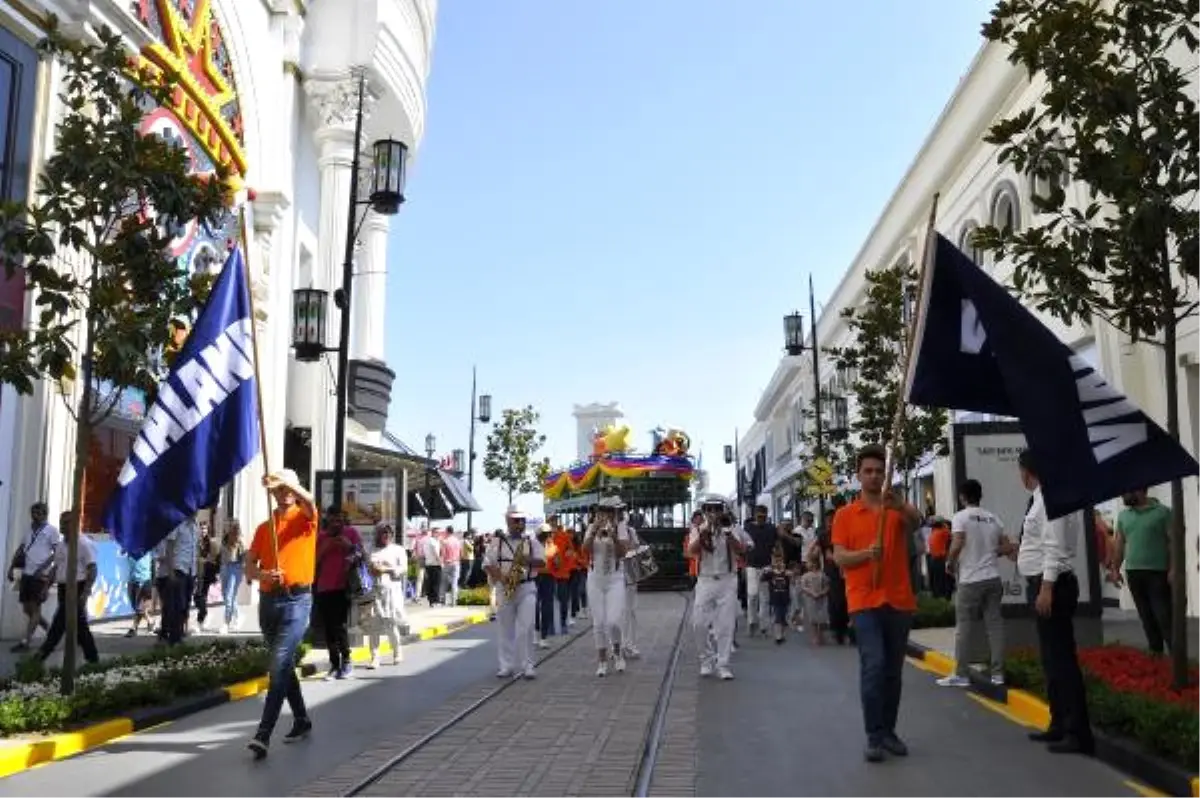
975, 190
268, 89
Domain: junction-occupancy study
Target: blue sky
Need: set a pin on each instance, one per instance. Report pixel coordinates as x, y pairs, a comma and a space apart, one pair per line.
620, 201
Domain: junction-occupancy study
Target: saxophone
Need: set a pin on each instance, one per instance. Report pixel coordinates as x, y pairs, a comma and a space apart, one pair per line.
516, 571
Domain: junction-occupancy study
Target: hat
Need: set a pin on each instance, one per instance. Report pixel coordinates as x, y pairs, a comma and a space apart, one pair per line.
611, 503
546, 528
713, 499
287, 478
514, 512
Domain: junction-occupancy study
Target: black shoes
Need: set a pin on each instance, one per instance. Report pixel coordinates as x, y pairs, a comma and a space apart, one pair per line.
1072, 745
874, 752
1048, 736
261, 744
301, 727
258, 746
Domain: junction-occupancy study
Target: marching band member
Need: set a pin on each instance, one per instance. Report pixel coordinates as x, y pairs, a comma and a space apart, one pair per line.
606, 584
715, 544
629, 625
515, 593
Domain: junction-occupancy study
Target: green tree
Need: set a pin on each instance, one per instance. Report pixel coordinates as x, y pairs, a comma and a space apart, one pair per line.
512, 448
837, 450
875, 357
93, 247
1118, 116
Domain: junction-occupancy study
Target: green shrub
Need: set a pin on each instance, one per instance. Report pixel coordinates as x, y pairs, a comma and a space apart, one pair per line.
475, 597
933, 613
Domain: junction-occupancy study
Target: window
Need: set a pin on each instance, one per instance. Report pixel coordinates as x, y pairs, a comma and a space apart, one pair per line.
1039, 186
18, 83
1006, 211
966, 244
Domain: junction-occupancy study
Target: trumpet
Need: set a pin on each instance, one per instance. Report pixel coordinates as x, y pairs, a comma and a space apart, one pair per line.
708, 529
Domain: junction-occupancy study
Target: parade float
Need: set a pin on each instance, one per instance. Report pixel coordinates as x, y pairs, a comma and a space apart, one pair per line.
655, 486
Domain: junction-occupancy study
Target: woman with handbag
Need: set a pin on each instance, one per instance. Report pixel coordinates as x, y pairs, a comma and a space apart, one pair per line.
385, 616
339, 549
34, 559
233, 555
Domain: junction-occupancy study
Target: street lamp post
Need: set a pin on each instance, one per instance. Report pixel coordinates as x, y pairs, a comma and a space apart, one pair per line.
430, 448
310, 306
481, 412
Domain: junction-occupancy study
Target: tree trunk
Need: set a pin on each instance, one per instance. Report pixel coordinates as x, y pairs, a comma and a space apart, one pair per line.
83, 440
1178, 542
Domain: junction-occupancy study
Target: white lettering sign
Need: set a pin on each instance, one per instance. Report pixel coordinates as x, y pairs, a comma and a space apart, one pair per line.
972, 336
1102, 403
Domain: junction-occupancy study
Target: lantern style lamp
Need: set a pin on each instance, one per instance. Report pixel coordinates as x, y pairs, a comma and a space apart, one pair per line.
839, 416
390, 160
430, 445
459, 457
310, 308
793, 333
485, 408
728, 454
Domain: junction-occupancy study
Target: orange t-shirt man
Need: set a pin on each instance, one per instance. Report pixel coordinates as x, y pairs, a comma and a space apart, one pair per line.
560, 555
854, 529
939, 540
297, 536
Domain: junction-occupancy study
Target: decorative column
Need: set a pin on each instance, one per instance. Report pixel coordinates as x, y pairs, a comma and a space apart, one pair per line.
370, 290
333, 102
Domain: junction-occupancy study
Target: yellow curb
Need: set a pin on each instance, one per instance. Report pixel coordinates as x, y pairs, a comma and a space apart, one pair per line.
1142, 789
36, 752
247, 689
1032, 710
940, 662
363, 653
1195, 787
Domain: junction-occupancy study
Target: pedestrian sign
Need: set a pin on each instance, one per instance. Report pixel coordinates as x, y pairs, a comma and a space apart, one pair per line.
820, 478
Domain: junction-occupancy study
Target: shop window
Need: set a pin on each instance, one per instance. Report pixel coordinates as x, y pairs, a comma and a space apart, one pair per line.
18, 83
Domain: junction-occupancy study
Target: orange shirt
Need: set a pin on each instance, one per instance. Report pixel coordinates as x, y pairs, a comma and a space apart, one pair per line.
297, 536
583, 559
939, 542
854, 530
560, 555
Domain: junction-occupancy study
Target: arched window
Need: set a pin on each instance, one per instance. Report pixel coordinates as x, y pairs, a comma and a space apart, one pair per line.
1006, 209
1040, 186
967, 245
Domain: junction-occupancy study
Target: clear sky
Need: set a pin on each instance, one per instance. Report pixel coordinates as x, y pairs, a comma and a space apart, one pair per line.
619, 200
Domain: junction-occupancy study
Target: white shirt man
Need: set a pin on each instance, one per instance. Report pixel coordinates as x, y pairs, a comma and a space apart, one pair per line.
977, 539
38, 547
85, 576
716, 587
515, 613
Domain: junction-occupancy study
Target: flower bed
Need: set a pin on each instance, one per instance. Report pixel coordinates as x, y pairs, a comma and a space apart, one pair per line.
475, 597
30, 702
1130, 695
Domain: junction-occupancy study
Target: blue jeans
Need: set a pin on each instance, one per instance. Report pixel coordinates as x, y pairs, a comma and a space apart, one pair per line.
882, 635
231, 580
283, 618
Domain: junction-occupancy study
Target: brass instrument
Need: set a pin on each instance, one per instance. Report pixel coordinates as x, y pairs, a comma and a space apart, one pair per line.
517, 570
708, 529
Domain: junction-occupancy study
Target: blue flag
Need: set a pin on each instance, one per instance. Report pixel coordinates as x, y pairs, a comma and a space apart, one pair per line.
201, 430
978, 349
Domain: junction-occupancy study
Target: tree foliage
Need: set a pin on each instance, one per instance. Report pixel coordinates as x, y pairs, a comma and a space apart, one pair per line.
93, 247
837, 450
1118, 116
512, 448
875, 357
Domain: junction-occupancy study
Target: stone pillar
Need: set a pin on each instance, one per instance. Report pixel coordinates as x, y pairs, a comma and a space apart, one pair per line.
333, 101
369, 297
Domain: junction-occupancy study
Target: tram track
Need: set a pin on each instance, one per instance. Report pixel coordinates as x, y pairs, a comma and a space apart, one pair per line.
645, 770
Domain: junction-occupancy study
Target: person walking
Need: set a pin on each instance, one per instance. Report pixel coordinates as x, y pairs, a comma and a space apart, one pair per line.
879, 595
385, 615
560, 562
1044, 559
338, 547
431, 556
232, 556
85, 576
179, 563
208, 572
452, 549
141, 590
977, 539
34, 561
715, 544
516, 606
1143, 546
606, 584
283, 560
758, 559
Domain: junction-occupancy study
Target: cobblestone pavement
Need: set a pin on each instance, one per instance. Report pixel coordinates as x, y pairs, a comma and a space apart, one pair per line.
566, 733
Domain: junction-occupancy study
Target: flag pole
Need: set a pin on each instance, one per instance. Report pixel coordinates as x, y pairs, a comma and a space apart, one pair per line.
901, 394
262, 427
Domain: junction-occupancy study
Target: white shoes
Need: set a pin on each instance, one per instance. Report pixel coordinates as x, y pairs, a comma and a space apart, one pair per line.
504, 673
602, 669
725, 674
373, 664
530, 672
543, 643
224, 630
954, 681
619, 663
632, 653
706, 669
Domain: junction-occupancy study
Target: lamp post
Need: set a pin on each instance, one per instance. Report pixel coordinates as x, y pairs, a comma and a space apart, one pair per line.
310, 305
733, 456
430, 448
481, 412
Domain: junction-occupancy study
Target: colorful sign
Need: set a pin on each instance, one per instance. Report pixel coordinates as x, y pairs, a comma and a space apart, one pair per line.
628, 466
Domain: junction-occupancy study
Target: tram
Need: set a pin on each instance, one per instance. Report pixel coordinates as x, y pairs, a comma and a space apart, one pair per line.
656, 488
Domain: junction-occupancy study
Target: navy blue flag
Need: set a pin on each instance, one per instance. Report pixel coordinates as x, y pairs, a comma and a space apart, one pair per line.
202, 428
978, 349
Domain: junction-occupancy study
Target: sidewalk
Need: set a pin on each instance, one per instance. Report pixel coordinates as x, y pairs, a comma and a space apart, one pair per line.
112, 642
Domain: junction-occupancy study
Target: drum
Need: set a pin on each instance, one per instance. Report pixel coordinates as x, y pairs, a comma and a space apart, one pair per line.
640, 564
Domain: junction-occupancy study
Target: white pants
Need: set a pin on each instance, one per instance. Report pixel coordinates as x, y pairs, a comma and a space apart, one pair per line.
629, 627
450, 574
514, 629
758, 599
716, 607
606, 599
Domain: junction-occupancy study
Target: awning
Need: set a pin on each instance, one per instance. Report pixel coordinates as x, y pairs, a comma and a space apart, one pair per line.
459, 494
432, 493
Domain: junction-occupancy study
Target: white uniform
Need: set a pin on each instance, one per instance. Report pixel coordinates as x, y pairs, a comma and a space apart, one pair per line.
716, 602
514, 617
605, 590
629, 626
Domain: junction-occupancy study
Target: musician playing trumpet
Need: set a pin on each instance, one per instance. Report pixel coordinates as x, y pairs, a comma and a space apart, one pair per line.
511, 563
715, 543
606, 546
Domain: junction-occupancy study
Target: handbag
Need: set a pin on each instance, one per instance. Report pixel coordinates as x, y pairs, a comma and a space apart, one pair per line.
360, 582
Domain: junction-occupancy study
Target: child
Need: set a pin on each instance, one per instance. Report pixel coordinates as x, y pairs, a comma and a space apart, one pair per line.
797, 597
814, 586
779, 589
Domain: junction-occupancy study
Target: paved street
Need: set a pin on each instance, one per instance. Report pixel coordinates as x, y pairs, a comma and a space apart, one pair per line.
790, 724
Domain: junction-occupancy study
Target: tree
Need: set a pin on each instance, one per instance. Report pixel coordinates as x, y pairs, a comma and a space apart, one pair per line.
512, 448
93, 247
1118, 116
876, 358
838, 451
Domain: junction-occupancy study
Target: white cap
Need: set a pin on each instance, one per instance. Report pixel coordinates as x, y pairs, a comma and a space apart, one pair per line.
514, 512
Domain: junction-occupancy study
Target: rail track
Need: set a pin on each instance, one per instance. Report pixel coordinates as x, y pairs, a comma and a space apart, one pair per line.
645, 770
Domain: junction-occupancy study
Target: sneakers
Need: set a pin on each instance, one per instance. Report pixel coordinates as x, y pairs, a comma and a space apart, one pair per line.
873, 752
258, 746
132, 632
894, 745
954, 681
301, 727
530, 672
347, 672
224, 629
632, 653
706, 669
543, 643
503, 673
373, 664
333, 673
602, 669
619, 663
998, 679
724, 673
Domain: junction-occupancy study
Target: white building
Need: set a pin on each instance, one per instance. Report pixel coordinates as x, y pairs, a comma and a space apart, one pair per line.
590, 419
974, 189
266, 88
